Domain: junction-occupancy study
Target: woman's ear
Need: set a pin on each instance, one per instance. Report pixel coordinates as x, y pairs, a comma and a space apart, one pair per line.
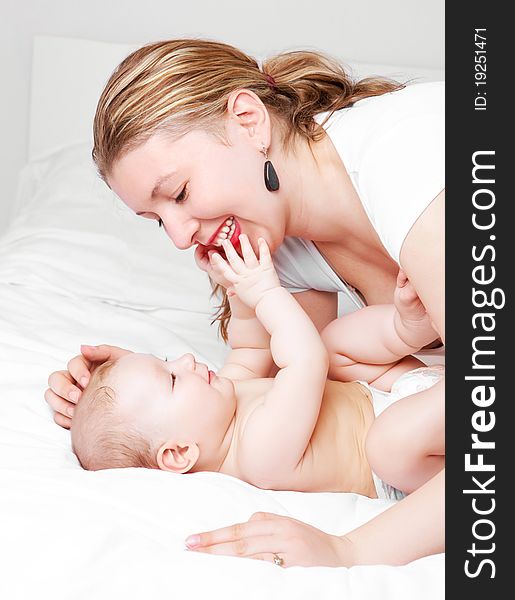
177, 457
250, 114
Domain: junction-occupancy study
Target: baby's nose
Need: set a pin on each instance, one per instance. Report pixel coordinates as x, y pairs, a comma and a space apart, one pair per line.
189, 359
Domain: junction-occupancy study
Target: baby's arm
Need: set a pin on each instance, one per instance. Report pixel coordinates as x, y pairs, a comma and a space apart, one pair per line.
370, 343
250, 356
278, 431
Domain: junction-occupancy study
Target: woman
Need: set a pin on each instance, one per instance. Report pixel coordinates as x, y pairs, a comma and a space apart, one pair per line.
193, 134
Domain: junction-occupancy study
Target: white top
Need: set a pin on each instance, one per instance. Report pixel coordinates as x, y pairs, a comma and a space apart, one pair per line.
393, 149
301, 267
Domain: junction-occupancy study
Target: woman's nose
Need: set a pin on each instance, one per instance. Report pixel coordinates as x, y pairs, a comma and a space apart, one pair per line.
182, 232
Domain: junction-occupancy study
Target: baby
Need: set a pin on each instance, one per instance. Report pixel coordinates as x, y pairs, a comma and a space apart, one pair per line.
297, 431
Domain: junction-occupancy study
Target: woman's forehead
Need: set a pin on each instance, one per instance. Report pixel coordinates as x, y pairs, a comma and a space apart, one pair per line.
159, 160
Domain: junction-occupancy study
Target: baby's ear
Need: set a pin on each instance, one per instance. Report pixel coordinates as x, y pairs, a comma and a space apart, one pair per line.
177, 457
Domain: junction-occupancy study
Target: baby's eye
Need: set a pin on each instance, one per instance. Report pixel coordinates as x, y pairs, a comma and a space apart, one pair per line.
160, 222
173, 379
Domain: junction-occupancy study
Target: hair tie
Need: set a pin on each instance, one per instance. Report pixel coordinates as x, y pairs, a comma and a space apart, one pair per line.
271, 81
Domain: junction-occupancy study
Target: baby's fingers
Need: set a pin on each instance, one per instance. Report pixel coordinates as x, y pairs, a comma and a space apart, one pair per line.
402, 278
265, 258
201, 257
224, 269
247, 251
233, 257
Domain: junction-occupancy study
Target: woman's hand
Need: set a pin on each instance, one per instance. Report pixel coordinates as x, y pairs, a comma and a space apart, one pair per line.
266, 536
65, 387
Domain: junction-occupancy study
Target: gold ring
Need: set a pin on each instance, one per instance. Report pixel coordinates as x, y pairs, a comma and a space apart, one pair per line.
278, 561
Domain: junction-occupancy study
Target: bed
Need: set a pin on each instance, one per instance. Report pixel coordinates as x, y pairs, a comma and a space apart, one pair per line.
77, 267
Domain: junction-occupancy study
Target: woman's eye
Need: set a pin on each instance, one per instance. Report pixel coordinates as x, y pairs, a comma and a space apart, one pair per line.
173, 379
160, 222
182, 196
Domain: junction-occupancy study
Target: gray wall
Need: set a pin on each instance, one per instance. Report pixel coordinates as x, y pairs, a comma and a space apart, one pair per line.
405, 32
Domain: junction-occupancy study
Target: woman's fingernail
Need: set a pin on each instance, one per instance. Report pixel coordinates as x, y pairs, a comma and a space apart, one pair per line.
70, 410
193, 541
84, 381
74, 396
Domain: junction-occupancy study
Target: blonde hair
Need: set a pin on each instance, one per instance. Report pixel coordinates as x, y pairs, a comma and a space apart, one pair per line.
177, 86
101, 439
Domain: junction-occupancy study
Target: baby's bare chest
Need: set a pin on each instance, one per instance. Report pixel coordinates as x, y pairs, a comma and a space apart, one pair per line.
334, 459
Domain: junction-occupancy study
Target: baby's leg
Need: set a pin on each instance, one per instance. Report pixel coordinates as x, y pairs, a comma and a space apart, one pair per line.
406, 443
343, 368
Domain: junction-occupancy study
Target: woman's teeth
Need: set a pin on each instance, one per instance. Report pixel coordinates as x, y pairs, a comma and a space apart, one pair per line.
226, 231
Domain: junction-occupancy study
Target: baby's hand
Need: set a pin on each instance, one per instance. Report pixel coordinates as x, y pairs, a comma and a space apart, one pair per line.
250, 278
203, 259
407, 301
412, 312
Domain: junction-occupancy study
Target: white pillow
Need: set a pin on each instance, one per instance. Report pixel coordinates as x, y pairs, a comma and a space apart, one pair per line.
80, 239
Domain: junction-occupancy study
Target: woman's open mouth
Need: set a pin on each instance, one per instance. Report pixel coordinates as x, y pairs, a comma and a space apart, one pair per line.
228, 230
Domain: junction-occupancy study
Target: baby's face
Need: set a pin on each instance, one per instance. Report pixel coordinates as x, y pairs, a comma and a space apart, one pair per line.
179, 399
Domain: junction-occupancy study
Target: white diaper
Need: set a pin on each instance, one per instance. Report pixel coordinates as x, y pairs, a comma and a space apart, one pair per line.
408, 384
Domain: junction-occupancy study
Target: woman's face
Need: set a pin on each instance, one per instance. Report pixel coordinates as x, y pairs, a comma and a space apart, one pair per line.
195, 184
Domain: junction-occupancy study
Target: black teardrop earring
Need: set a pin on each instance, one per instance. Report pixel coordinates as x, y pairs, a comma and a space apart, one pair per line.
270, 174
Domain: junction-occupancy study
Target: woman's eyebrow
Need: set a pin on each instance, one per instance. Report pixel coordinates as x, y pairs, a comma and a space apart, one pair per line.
160, 182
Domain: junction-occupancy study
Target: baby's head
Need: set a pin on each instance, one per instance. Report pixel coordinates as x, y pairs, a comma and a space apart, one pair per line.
140, 411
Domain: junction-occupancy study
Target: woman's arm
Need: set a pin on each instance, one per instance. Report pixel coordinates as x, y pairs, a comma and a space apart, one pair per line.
410, 529
423, 260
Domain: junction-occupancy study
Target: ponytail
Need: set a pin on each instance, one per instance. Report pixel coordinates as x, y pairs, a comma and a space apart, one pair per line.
309, 83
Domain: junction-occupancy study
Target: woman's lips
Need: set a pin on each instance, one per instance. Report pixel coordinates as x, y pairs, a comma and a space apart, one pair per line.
212, 239
234, 238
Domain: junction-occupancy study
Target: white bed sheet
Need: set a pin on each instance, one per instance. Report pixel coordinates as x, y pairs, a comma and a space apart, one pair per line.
68, 533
